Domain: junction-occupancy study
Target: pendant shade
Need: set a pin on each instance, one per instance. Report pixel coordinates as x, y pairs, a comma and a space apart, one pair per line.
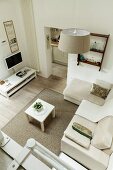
74, 41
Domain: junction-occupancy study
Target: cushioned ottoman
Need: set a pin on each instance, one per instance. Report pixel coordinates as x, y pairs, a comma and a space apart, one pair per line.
77, 90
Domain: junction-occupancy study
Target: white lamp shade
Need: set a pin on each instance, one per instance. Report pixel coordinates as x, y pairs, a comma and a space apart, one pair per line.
74, 41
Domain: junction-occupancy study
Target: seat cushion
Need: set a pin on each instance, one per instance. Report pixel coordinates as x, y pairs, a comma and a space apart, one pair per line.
77, 137
95, 99
88, 124
89, 111
77, 89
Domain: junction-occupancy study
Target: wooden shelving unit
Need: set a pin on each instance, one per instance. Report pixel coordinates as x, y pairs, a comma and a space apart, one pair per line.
95, 50
91, 63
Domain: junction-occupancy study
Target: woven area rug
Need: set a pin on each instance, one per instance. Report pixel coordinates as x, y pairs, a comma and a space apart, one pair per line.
20, 129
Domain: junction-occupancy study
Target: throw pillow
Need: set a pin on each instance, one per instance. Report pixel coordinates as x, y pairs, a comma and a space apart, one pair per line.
109, 151
99, 91
103, 134
82, 130
95, 99
104, 142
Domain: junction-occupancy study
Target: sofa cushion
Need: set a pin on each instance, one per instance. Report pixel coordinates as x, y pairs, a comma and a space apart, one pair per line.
99, 91
103, 84
77, 89
88, 124
109, 151
103, 134
95, 99
110, 95
75, 136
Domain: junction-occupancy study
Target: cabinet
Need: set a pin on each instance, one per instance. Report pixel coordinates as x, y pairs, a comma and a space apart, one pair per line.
14, 82
98, 44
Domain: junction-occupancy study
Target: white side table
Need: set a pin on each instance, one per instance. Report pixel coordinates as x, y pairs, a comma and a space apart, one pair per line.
42, 115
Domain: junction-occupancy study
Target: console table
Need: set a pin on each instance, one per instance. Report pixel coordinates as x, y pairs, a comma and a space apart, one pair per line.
14, 82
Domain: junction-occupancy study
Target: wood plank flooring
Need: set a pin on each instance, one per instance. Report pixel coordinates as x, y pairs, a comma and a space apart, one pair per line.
10, 107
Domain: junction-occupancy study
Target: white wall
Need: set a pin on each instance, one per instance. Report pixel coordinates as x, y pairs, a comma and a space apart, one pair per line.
30, 32
95, 16
11, 10
50, 13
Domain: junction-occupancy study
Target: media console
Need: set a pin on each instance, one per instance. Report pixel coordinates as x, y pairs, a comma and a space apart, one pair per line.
14, 82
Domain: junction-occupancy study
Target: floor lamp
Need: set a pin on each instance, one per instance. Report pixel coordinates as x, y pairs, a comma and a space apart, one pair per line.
75, 41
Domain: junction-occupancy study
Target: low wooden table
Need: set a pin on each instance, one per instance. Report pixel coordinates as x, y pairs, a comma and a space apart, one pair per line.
43, 114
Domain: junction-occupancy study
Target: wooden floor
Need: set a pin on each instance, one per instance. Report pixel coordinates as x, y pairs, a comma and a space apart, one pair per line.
10, 107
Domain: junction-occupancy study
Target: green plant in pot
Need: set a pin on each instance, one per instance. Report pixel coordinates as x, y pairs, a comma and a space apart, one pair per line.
38, 106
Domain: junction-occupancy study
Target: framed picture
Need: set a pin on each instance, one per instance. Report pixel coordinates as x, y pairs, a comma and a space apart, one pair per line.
11, 35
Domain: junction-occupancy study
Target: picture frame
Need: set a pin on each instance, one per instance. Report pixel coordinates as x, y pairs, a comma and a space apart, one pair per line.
11, 36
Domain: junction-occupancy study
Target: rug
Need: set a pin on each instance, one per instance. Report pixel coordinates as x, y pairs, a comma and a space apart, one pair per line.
20, 129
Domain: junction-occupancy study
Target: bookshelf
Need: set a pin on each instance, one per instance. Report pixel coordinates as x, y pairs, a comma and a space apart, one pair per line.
98, 46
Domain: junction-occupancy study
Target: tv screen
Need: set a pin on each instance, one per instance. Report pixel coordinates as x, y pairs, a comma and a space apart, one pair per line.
13, 60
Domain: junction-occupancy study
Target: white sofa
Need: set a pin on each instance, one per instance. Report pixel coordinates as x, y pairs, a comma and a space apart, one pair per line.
76, 91
91, 157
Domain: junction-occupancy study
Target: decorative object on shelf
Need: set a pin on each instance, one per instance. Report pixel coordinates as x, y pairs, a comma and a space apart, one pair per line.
11, 35
98, 46
55, 36
82, 58
38, 106
94, 46
22, 73
2, 82
99, 91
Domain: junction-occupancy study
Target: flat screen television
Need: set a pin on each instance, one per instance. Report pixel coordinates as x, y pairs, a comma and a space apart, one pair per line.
13, 60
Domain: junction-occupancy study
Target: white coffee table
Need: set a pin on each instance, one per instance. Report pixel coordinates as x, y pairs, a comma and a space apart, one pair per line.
42, 115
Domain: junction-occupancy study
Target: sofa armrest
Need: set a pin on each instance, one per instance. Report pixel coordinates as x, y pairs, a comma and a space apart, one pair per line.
110, 165
89, 110
92, 158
